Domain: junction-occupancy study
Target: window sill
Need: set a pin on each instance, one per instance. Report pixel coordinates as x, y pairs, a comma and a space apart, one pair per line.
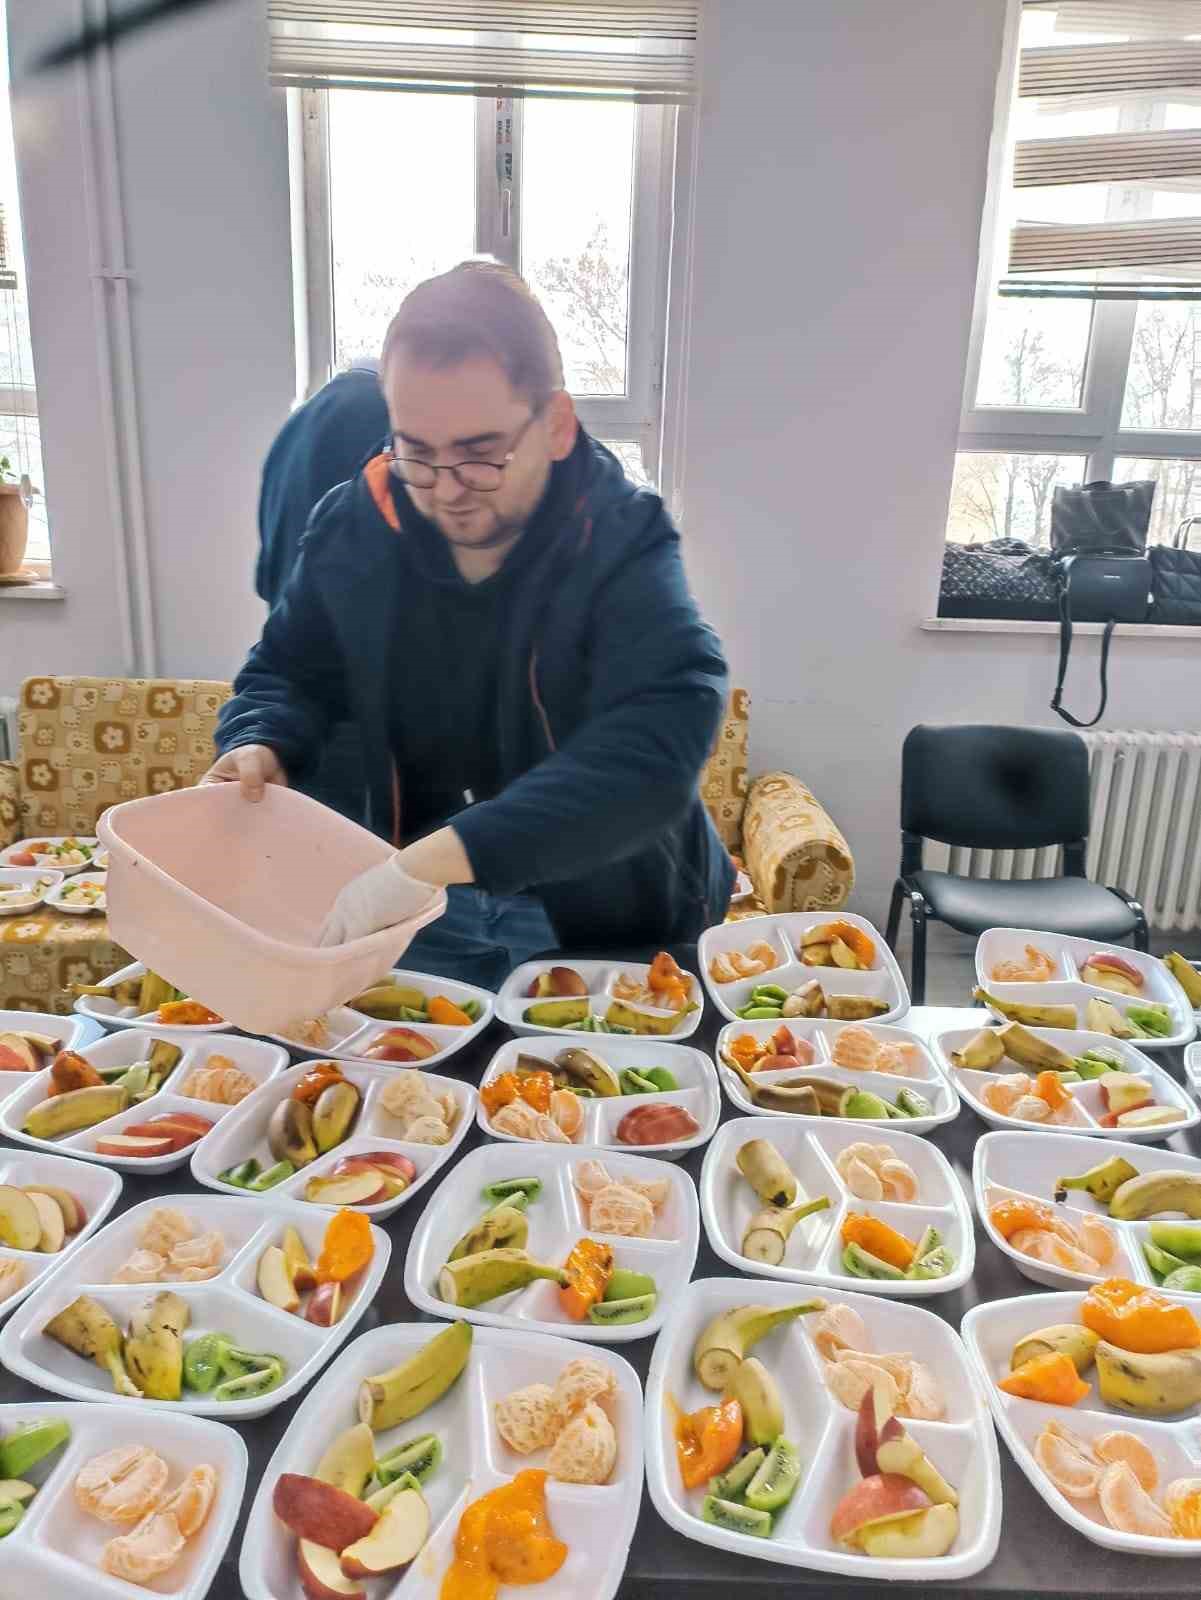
1124, 630
44, 590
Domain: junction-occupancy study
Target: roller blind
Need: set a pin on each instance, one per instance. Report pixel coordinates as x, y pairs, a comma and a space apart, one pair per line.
623, 49
1106, 169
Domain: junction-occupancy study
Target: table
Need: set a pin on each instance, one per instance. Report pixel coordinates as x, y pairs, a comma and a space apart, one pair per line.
1040, 1557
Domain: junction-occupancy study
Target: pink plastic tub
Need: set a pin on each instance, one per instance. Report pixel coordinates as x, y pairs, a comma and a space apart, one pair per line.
225, 899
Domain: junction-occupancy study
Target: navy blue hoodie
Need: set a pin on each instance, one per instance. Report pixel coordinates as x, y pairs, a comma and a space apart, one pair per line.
611, 693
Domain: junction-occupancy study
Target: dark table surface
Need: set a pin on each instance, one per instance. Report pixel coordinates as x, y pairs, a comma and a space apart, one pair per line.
1039, 1558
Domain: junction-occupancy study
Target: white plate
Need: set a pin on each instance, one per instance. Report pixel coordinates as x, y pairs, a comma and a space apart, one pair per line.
57, 896
253, 1056
557, 1221
1192, 1067
963, 1446
1009, 1165
990, 1331
98, 860
600, 976
96, 1191
229, 1303
71, 1032
884, 981
929, 1082
595, 1522
110, 1015
692, 1069
1087, 1095
743, 887
1067, 986
243, 1134
37, 884
351, 1031
814, 1253
54, 1551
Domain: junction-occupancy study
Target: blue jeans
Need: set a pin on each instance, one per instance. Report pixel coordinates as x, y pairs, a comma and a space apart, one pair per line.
481, 937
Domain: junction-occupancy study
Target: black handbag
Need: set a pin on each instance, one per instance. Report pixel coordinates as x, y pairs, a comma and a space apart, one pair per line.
1108, 518
1099, 537
1001, 579
1176, 571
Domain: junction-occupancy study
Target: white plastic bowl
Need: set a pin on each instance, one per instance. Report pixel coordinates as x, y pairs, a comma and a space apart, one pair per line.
226, 900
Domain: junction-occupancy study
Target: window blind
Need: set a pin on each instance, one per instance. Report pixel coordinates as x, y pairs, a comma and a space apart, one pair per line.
642, 50
1111, 208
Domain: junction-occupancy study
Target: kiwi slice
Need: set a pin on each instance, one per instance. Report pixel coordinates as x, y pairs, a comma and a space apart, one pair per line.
860, 1263
930, 1240
735, 1518
729, 1484
511, 1186
614, 1312
913, 1104
627, 1285
775, 1482
418, 1457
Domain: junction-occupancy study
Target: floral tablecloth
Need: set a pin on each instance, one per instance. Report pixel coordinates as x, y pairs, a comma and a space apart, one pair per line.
42, 955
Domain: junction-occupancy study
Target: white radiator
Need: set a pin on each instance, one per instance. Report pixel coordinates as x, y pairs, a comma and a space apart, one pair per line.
8, 728
1144, 827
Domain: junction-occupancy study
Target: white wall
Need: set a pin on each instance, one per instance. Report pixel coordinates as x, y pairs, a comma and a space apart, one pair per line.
203, 150
841, 172
841, 162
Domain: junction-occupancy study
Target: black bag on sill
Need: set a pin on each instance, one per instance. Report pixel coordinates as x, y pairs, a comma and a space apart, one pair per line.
1099, 537
1176, 571
1003, 579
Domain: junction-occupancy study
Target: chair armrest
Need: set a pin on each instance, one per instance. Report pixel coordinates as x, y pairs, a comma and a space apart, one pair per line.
797, 858
10, 804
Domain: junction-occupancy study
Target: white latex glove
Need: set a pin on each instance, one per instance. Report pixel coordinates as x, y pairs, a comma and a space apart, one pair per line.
378, 898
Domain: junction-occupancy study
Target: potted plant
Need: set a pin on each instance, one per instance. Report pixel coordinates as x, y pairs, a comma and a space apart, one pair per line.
15, 495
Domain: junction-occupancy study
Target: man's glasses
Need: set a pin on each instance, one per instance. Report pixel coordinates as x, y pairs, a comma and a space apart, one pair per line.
484, 477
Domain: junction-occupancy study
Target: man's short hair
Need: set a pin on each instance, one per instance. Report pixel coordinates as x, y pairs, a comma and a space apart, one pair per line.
479, 309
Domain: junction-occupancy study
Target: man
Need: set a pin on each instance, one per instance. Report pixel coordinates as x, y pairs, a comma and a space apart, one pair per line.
323, 443
506, 619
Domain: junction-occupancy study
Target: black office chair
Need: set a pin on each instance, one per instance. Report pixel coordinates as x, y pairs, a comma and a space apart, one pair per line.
996, 788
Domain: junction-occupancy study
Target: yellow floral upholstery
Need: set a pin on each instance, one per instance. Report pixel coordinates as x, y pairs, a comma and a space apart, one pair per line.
723, 781
88, 742
85, 744
10, 803
797, 858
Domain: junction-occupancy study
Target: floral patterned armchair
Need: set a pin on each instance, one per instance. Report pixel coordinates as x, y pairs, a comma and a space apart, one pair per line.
86, 743
792, 850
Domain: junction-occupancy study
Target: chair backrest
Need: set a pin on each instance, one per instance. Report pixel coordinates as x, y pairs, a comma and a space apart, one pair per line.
994, 788
723, 785
86, 743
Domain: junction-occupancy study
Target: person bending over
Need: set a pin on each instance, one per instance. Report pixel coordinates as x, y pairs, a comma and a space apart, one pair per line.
505, 618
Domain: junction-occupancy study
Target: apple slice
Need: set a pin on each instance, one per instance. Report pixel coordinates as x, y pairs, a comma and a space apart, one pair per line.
54, 1229
20, 1224
346, 1189
321, 1575
392, 1160
186, 1119
401, 1044
920, 1536
304, 1274
74, 1215
397, 1538
875, 1499
176, 1138
17, 1054
325, 1305
275, 1280
874, 1424
125, 1144
350, 1460
321, 1512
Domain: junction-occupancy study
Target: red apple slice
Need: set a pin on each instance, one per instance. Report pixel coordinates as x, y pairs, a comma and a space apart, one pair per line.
320, 1512
177, 1138
325, 1305
397, 1538
321, 1575
872, 1499
401, 1044
346, 1189
124, 1144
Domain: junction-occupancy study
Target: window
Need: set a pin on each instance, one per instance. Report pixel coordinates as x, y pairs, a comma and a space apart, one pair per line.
20, 437
1094, 370
398, 186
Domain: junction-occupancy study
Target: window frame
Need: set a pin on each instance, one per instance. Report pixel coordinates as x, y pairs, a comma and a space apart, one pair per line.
636, 415
1093, 429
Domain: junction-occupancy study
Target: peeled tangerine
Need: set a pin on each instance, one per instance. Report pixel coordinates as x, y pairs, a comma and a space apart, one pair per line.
586, 1450
526, 1419
1040, 1245
1182, 1502
1068, 1461
154, 1545
122, 1484
191, 1503
582, 1381
1127, 1505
